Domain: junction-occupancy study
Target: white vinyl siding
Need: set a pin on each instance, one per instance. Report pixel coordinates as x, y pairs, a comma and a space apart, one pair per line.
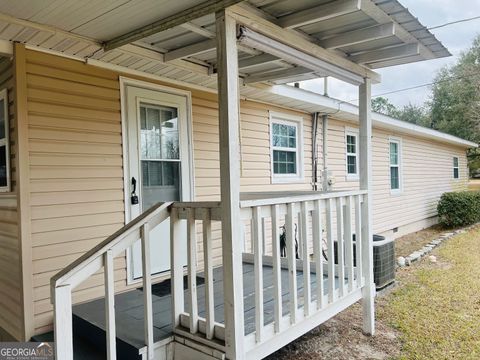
456, 174
395, 166
351, 150
286, 148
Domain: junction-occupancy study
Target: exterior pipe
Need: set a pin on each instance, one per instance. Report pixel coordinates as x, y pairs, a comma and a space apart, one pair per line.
315, 152
326, 186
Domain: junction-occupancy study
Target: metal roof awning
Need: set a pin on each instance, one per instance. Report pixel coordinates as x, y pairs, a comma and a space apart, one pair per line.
340, 38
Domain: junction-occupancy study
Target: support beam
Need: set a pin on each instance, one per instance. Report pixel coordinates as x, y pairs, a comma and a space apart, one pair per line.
191, 50
289, 74
306, 45
229, 105
359, 36
380, 16
319, 13
292, 55
386, 54
198, 30
257, 60
366, 183
169, 22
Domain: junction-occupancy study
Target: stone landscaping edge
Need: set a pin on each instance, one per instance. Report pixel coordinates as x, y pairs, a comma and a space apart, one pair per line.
417, 255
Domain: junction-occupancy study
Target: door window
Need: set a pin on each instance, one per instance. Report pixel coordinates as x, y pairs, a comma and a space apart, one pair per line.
159, 154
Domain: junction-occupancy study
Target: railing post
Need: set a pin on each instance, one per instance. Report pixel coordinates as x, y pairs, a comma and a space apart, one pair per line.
147, 289
176, 268
63, 323
108, 265
366, 171
227, 75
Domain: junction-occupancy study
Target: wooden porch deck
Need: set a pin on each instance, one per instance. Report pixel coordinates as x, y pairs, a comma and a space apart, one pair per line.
129, 309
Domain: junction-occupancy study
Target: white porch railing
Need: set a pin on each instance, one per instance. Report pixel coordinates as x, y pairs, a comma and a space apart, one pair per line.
102, 257
322, 220
319, 283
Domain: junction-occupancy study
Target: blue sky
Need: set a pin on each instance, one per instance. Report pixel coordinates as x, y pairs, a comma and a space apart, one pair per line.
456, 38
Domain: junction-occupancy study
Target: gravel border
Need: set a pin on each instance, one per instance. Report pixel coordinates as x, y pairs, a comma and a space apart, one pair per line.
417, 255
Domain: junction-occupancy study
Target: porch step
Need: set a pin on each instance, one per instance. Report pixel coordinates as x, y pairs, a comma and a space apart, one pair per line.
82, 348
89, 323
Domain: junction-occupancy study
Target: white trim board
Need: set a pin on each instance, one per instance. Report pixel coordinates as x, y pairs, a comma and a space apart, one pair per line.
124, 83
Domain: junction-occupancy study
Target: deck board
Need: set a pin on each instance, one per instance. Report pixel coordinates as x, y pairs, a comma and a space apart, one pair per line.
129, 306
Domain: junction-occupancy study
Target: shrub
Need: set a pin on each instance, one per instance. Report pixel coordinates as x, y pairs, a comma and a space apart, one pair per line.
459, 208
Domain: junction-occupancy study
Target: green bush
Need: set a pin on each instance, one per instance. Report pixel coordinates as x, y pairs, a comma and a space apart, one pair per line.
459, 208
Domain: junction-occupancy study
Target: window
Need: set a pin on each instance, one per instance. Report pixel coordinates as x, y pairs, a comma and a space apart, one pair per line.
395, 164
351, 141
4, 143
456, 174
286, 148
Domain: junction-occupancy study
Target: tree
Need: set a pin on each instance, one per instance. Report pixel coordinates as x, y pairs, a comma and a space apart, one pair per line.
411, 113
383, 106
455, 102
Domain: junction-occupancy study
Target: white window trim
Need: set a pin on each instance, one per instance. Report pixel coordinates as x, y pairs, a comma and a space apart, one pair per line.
6, 141
352, 132
287, 119
456, 167
400, 166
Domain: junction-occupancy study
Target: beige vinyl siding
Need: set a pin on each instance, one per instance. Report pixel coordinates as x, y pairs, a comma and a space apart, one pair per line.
11, 312
76, 184
76, 168
427, 172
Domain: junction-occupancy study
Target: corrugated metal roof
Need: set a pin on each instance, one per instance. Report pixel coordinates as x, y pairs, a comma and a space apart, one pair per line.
78, 28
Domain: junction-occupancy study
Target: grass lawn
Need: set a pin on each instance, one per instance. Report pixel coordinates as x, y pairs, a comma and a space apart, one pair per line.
436, 308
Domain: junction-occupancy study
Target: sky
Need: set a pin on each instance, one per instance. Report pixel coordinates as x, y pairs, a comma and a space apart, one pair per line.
456, 38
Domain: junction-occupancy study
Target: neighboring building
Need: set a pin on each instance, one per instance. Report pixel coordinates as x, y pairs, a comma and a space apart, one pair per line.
79, 132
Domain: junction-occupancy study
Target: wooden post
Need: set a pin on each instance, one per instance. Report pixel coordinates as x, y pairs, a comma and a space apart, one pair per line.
176, 268
63, 323
366, 180
227, 74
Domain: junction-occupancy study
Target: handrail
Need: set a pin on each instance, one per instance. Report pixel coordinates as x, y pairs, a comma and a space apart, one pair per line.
276, 198
110, 243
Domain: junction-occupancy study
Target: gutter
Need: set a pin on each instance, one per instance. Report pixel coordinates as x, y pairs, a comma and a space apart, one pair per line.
349, 112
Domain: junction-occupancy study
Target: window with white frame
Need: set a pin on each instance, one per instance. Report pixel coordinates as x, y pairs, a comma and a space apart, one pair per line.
4, 143
456, 174
395, 165
286, 147
351, 142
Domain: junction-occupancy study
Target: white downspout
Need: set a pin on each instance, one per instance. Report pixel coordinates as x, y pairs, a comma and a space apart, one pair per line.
325, 177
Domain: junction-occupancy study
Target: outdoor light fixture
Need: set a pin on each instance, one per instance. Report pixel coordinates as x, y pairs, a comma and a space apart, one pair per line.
263, 43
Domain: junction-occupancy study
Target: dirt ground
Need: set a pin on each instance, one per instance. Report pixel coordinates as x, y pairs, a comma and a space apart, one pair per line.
409, 243
341, 338
474, 185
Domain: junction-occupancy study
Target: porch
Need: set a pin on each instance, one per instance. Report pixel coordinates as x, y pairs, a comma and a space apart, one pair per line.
281, 295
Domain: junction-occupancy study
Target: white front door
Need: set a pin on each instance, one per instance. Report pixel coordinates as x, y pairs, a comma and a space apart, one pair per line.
159, 164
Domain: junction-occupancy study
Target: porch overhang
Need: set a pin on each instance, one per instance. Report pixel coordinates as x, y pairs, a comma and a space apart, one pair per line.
344, 38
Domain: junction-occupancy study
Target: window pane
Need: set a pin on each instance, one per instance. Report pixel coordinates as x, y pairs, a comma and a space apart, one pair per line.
455, 161
393, 153
159, 132
284, 162
455, 173
160, 182
3, 166
351, 144
2, 120
394, 178
284, 136
351, 164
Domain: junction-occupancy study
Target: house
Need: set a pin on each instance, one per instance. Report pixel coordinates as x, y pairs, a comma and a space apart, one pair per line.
116, 165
